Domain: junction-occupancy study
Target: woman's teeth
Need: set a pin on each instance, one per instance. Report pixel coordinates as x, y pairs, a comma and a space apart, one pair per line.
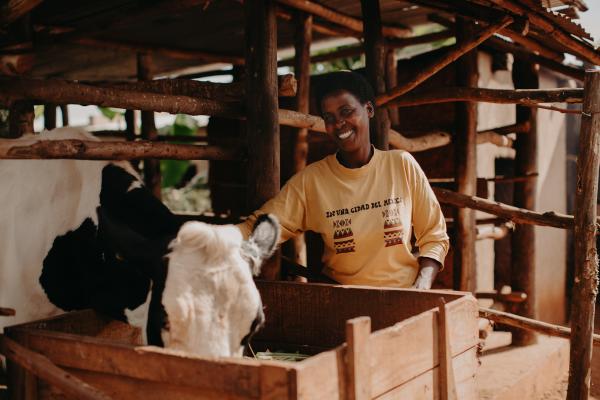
345, 135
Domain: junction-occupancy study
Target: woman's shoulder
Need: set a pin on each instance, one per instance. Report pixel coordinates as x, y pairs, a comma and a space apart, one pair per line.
397, 155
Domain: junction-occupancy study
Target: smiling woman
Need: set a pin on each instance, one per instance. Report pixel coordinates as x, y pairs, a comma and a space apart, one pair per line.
365, 203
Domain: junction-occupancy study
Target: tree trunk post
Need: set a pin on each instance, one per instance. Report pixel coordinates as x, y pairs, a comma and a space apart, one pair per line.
525, 76
585, 286
20, 119
151, 167
64, 112
466, 165
262, 107
49, 116
391, 80
375, 59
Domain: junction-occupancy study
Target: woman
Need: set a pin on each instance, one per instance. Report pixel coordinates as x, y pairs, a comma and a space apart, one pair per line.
364, 202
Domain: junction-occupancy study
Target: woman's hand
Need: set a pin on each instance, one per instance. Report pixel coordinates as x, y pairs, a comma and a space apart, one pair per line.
428, 270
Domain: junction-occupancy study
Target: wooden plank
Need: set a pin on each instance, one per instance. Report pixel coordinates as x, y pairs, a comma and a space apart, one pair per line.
586, 257
358, 356
425, 386
41, 366
330, 380
419, 338
446, 379
7, 312
232, 377
12, 10
375, 65
525, 76
465, 165
315, 314
445, 59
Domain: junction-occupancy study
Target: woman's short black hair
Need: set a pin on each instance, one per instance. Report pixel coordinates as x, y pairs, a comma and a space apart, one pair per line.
349, 81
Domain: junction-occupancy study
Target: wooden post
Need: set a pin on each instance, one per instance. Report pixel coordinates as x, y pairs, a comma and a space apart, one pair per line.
391, 80
49, 116
525, 76
20, 119
585, 286
296, 249
130, 124
64, 112
262, 108
151, 167
358, 357
375, 57
465, 147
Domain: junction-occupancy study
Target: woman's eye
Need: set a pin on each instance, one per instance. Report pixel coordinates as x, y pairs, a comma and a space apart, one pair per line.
329, 119
347, 111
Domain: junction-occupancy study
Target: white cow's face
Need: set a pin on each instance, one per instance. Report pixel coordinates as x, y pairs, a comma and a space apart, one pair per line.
210, 298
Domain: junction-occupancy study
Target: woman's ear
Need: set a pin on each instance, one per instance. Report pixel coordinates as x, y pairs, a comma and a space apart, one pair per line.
370, 109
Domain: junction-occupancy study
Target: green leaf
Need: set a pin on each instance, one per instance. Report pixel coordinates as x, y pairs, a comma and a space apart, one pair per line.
110, 113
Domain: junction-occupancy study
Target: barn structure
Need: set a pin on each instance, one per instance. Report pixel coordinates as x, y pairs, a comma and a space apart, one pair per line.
483, 111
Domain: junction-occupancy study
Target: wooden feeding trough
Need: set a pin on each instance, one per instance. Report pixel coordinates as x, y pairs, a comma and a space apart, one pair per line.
400, 358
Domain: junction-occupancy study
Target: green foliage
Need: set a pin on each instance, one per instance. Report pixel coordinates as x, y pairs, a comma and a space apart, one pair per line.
346, 63
110, 113
173, 170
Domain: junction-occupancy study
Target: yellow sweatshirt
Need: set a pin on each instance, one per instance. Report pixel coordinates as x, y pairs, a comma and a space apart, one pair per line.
365, 217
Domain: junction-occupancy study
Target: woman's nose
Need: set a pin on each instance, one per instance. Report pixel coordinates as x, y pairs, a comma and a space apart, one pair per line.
340, 123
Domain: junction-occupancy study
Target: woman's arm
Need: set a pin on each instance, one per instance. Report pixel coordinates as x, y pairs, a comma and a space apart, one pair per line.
428, 270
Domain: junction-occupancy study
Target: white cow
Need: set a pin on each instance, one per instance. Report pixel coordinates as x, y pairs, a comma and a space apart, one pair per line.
87, 234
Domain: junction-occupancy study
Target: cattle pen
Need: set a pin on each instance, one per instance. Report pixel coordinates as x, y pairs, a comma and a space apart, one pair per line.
437, 103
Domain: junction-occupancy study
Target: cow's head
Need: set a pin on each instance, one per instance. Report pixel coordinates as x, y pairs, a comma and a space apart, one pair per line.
211, 303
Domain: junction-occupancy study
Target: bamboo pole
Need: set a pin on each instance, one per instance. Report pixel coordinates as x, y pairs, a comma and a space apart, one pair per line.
501, 96
375, 59
585, 285
262, 118
465, 167
339, 18
529, 324
452, 55
152, 178
523, 238
39, 365
92, 150
506, 211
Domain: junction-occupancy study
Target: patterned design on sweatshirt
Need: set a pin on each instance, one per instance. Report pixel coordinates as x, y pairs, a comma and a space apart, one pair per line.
392, 226
343, 240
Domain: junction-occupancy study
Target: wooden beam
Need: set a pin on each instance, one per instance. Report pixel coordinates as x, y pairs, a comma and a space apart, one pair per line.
120, 150
585, 285
20, 118
391, 80
523, 238
465, 164
375, 60
49, 116
517, 321
152, 178
393, 43
501, 96
234, 91
452, 55
525, 54
339, 18
71, 386
262, 119
326, 29
575, 46
64, 113
12, 10
511, 297
7, 312
506, 211
65, 92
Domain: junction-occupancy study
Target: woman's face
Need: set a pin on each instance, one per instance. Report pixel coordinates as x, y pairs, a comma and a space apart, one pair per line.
347, 120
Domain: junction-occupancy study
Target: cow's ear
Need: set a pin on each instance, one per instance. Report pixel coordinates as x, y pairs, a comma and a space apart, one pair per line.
262, 241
